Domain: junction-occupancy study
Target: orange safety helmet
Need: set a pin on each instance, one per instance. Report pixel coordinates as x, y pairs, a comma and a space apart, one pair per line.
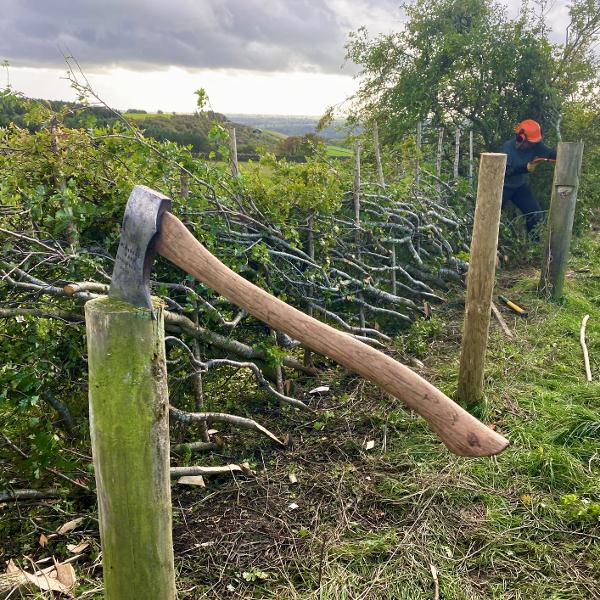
529, 131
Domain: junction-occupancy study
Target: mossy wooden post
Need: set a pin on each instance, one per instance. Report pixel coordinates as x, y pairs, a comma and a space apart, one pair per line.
560, 219
130, 444
480, 279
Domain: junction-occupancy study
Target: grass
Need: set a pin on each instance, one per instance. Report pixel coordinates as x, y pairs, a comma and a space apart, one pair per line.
338, 151
371, 524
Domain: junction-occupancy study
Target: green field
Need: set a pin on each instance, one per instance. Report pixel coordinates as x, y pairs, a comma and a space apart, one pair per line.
140, 116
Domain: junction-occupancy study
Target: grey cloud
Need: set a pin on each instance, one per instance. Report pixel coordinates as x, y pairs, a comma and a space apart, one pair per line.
265, 35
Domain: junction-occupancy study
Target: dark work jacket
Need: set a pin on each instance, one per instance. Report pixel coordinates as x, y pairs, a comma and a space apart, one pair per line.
516, 161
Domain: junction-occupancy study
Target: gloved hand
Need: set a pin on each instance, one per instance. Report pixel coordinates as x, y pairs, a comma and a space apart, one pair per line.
531, 165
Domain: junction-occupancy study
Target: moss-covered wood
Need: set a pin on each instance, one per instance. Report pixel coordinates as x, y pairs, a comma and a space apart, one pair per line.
560, 219
130, 442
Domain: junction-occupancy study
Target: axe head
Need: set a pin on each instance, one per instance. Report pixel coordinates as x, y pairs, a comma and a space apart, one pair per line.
141, 225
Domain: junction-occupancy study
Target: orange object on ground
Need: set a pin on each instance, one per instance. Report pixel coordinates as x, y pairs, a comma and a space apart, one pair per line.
514, 307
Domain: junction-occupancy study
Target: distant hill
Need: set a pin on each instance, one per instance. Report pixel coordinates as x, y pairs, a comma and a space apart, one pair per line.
292, 125
185, 129
253, 132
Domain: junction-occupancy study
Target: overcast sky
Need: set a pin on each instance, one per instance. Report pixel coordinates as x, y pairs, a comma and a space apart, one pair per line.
251, 56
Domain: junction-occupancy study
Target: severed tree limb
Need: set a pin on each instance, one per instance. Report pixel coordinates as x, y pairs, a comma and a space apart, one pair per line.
71, 289
204, 471
215, 339
186, 417
586, 358
198, 446
61, 315
83, 291
357, 330
502, 322
260, 378
7, 495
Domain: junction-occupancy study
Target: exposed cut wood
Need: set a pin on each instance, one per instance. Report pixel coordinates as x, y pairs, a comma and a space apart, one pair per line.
502, 322
586, 358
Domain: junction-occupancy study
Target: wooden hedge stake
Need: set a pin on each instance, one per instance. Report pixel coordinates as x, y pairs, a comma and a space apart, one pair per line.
377, 150
129, 412
560, 219
480, 279
233, 154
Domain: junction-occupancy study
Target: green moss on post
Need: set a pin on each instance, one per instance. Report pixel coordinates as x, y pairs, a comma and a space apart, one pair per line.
130, 444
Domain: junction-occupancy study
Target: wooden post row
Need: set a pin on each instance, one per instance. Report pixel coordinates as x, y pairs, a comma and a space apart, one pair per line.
129, 424
560, 219
480, 278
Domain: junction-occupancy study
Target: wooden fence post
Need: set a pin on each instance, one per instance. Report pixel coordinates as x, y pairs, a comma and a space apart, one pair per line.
480, 278
456, 152
438, 160
129, 423
560, 219
356, 200
233, 156
311, 289
419, 143
184, 184
471, 157
377, 151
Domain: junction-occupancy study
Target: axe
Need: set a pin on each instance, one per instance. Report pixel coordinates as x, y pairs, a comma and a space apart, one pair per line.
150, 227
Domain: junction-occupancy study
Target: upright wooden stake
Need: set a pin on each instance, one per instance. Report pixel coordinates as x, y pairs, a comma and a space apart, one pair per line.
356, 199
377, 150
560, 219
184, 182
456, 152
311, 253
480, 280
129, 423
438, 161
394, 284
233, 156
471, 157
419, 142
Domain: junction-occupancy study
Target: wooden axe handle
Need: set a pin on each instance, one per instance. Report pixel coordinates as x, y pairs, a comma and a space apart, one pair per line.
462, 433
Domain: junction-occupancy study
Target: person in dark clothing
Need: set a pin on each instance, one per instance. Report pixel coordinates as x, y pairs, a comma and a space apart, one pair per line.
523, 154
